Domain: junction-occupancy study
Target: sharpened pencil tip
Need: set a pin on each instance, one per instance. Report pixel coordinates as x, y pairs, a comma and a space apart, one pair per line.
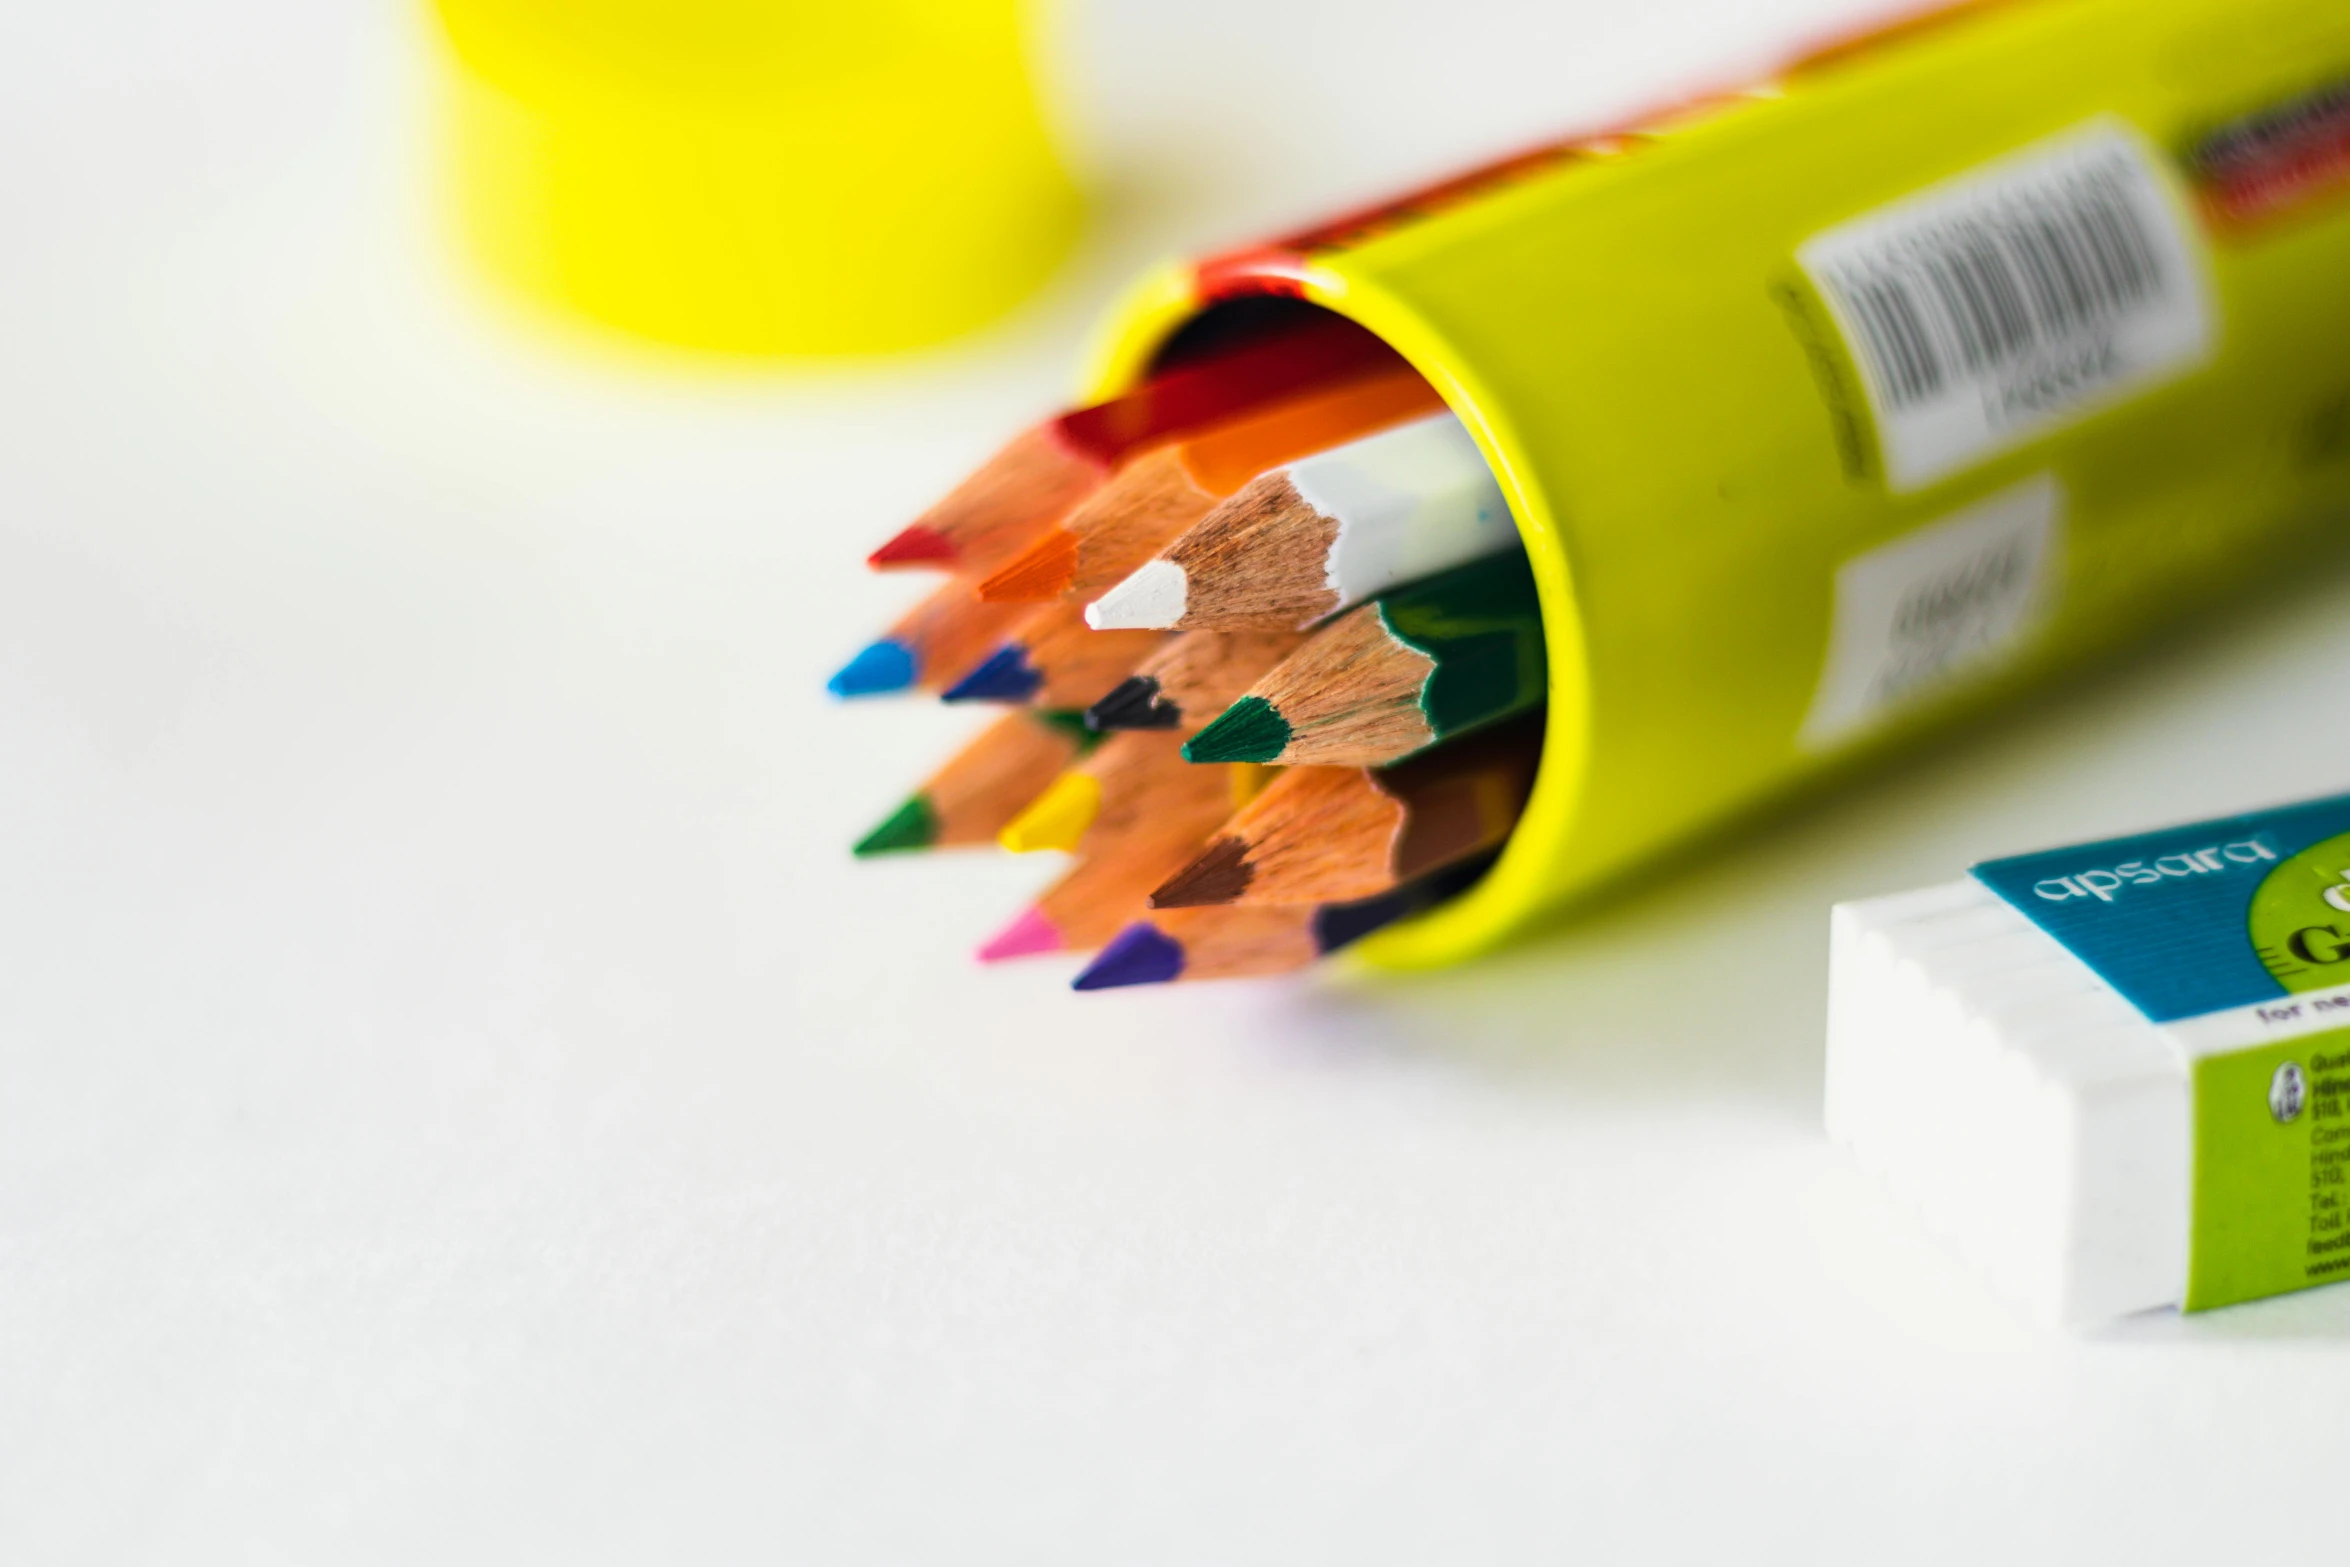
879, 667
1057, 818
1250, 730
1134, 703
915, 546
1152, 598
913, 825
1141, 954
1027, 936
1038, 575
1220, 875
1003, 676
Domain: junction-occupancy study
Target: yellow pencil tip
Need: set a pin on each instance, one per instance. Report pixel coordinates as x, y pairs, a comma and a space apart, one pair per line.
1249, 780
1057, 818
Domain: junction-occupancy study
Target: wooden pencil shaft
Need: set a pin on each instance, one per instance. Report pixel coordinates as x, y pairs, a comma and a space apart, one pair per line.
1190, 397
1086, 664
1324, 533
1165, 491
1053, 659
1222, 458
1003, 767
1101, 894
1240, 943
1036, 479
1180, 945
1408, 503
950, 631
1390, 677
1199, 674
1147, 789
1331, 834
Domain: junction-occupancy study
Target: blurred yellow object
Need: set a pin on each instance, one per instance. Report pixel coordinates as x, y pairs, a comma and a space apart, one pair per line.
761, 176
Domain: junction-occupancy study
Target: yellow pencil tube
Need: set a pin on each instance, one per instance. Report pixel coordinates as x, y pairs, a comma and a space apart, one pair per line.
1830, 408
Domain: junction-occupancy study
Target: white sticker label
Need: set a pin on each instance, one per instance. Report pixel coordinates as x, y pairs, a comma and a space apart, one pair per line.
1951, 599
1992, 307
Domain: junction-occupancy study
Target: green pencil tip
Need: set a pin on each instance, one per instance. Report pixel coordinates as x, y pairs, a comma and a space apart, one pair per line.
1250, 730
1071, 722
911, 826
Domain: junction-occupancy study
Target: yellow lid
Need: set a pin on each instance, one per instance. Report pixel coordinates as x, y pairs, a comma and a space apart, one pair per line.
764, 176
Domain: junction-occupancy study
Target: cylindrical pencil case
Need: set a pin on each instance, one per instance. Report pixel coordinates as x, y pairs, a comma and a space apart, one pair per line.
1832, 407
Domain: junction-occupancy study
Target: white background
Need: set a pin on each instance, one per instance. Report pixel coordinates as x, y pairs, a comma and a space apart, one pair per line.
459, 1102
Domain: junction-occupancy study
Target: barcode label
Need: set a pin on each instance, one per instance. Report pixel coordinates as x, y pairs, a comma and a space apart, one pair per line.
2004, 302
1945, 602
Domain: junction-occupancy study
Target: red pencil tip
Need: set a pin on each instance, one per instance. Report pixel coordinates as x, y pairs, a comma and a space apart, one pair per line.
914, 546
1025, 937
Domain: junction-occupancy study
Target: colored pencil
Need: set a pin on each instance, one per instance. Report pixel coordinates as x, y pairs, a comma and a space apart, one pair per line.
985, 785
1128, 841
1090, 903
1033, 482
1191, 679
1051, 659
1132, 786
1389, 678
1177, 945
1323, 534
1339, 834
932, 646
1159, 495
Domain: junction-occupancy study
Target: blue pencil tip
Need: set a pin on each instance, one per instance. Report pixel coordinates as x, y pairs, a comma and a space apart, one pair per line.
882, 666
1006, 676
1141, 954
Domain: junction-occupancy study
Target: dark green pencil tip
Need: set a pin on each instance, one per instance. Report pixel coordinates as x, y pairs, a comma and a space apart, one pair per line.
911, 826
1250, 730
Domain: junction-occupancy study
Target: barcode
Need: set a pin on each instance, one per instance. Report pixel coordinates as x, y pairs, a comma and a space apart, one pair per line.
1989, 308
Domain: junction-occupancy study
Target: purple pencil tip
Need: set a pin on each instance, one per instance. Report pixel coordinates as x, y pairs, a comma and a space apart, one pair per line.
1141, 954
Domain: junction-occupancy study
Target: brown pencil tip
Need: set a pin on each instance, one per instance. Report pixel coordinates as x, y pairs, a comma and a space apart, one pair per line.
1220, 875
914, 546
1037, 575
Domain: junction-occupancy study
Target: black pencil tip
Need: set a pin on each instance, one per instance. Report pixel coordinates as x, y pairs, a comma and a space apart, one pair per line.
1134, 703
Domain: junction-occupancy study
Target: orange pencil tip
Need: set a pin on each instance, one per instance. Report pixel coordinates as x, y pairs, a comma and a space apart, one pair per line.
1038, 575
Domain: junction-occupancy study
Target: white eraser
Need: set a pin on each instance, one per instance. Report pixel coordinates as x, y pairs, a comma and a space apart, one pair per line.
2115, 1077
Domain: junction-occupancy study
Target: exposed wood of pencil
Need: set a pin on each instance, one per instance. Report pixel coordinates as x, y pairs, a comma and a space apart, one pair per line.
1324, 532
1444, 656
1336, 834
1026, 487
984, 785
1351, 696
1110, 884
1240, 943
1175, 945
1259, 561
1102, 894
1159, 495
1053, 659
1191, 679
951, 630
930, 646
1036, 478
1132, 787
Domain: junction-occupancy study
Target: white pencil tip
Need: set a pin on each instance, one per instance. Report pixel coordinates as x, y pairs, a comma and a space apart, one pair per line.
1152, 599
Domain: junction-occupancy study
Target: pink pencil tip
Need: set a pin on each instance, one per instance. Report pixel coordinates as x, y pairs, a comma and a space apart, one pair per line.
1025, 937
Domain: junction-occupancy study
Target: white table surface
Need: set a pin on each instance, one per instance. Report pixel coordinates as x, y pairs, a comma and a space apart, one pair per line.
459, 1102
